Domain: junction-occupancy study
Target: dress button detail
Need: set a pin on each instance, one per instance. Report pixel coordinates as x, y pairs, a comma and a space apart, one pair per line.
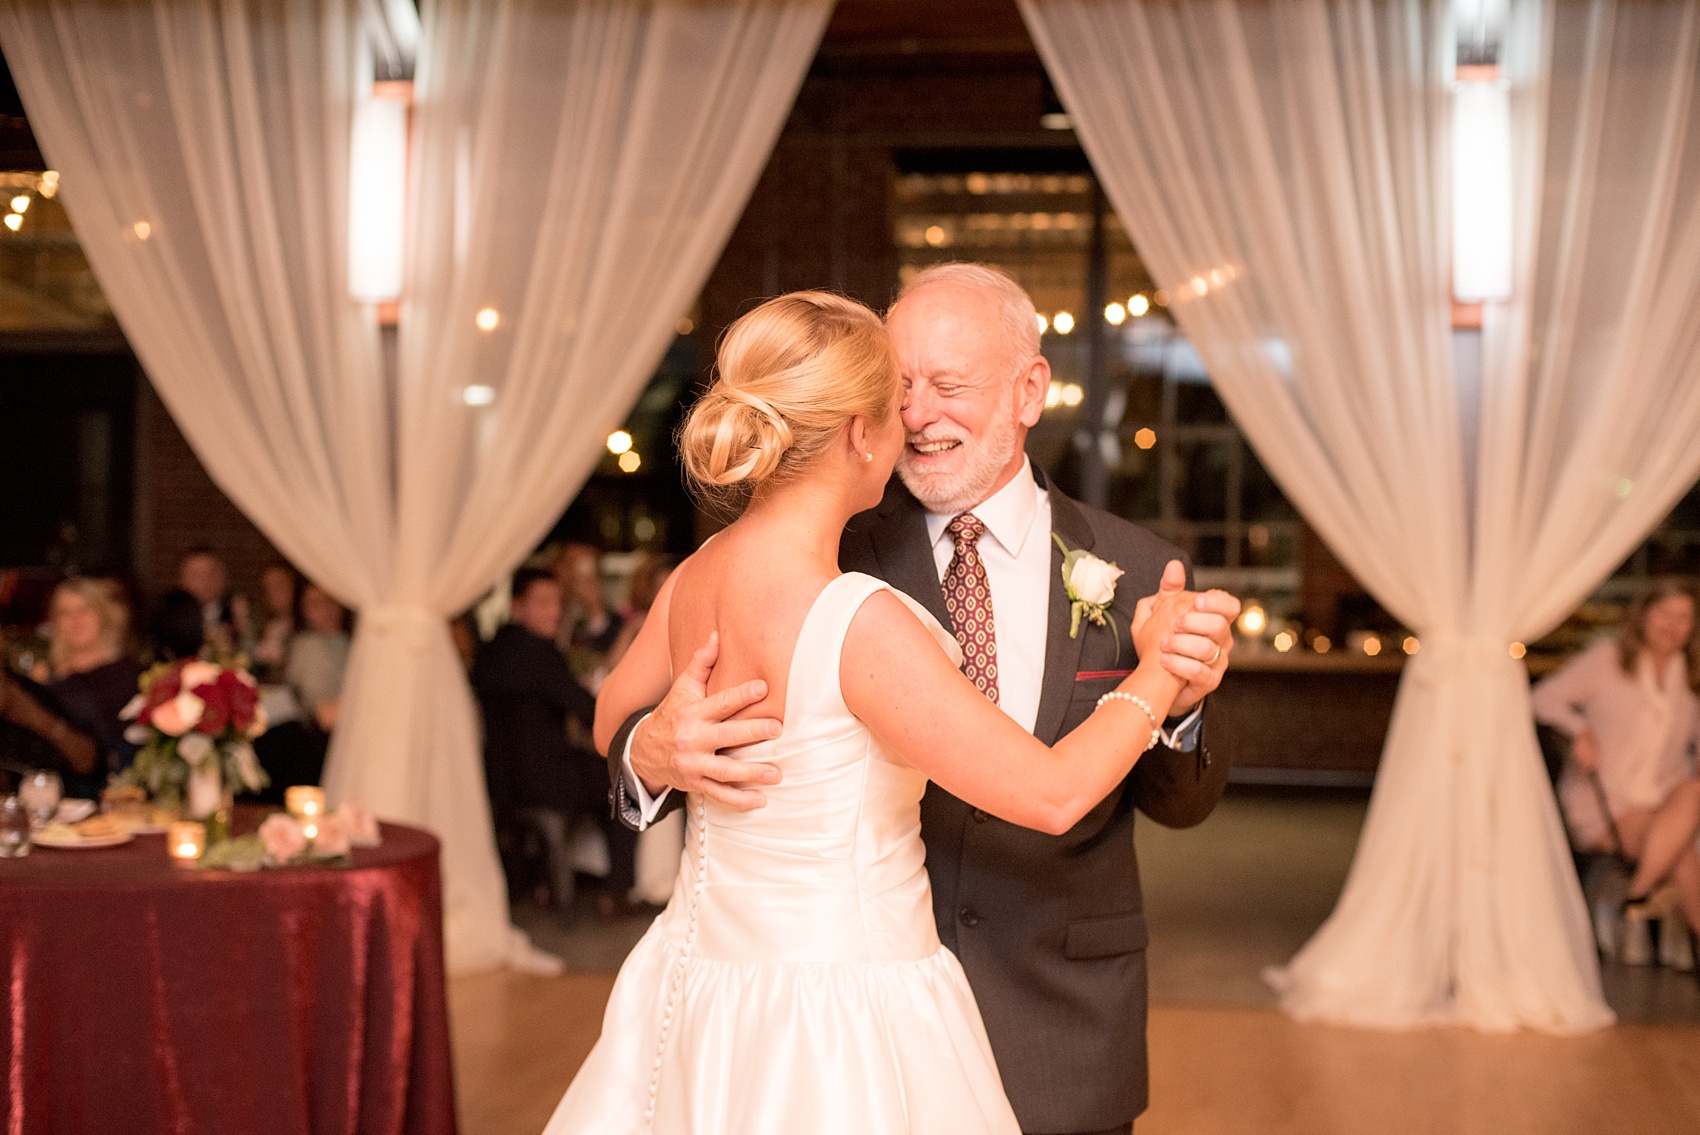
980, 817
968, 916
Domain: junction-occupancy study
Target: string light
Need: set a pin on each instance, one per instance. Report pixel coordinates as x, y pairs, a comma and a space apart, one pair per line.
14, 221
1115, 314
478, 395
21, 203
49, 184
1138, 305
1321, 644
1044, 324
1253, 620
1063, 322
1284, 641
488, 319
1411, 645
1145, 438
619, 442
1518, 650
142, 229
629, 461
1073, 394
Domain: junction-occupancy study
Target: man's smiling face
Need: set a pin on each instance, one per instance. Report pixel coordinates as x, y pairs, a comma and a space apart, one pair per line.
969, 396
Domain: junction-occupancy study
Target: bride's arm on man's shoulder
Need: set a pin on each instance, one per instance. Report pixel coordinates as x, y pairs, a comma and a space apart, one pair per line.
643, 675
907, 691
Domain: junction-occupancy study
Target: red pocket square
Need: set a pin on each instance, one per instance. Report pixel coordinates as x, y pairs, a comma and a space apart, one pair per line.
1089, 675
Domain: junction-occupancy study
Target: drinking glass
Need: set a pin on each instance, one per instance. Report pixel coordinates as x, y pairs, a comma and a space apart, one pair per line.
14, 828
40, 793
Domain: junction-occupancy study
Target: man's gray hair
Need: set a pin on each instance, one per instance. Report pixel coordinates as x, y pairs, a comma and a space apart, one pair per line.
1015, 307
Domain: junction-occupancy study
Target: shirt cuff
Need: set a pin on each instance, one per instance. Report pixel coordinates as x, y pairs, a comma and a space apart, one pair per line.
1182, 736
635, 792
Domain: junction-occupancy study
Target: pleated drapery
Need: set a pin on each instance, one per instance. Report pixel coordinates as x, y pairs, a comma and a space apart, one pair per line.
576, 168
1283, 168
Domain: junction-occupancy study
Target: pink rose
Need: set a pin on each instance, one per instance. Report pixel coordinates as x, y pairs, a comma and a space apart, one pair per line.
282, 837
179, 715
361, 825
332, 838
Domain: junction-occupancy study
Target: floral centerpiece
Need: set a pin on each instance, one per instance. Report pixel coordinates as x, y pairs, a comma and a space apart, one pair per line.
195, 721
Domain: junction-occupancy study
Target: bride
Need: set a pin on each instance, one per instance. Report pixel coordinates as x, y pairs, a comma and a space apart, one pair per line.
795, 981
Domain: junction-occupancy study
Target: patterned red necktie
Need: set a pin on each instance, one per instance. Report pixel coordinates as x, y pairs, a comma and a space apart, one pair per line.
968, 597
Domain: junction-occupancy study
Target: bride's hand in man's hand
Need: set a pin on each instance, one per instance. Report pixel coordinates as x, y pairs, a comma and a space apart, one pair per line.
678, 745
1196, 648
1156, 616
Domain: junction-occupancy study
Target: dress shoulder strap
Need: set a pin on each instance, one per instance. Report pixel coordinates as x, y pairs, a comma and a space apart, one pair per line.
820, 646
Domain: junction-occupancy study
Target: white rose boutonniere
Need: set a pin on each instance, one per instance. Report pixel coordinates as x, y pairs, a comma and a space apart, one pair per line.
1090, 584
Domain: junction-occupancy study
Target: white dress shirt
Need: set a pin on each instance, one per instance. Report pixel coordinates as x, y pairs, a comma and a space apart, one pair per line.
1016, 549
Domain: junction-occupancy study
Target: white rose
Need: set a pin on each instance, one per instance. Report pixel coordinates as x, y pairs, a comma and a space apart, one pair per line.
195, 747
1094, 580
133, 708
199, 674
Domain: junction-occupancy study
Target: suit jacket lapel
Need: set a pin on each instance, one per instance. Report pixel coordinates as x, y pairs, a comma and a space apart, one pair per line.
1062, 653
905, 555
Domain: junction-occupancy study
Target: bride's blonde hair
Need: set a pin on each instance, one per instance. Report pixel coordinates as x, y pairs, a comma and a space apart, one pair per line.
790, 374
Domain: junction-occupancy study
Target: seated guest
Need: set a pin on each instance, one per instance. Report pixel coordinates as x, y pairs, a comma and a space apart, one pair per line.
528, 692
92, 682
224, 619
649, 573
178, 628
590, 629
279, 588
1630, 709
318, 656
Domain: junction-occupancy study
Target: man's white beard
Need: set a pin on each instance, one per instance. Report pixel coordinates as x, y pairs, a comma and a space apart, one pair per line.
973, 480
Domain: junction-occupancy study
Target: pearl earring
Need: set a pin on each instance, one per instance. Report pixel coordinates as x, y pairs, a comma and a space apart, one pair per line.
867, 457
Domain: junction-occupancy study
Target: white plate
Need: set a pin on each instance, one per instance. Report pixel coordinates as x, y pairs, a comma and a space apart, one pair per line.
49, 838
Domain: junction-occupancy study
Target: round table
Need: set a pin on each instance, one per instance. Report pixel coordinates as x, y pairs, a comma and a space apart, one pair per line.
143, 996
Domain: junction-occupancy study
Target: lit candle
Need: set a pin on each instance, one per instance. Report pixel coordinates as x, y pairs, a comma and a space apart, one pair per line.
187, 839
310, 829
305, 802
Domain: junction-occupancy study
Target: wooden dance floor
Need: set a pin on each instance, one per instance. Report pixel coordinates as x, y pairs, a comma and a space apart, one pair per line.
1224, 900
1215, 1071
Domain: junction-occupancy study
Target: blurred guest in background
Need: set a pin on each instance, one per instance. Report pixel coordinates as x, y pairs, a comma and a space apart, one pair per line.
1630, 708
590, 628
648, 574
279, 588
318, 656
527, 693
92, 681
178, 628
224, 620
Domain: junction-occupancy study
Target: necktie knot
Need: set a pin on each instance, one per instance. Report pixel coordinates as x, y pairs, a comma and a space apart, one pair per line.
965, 531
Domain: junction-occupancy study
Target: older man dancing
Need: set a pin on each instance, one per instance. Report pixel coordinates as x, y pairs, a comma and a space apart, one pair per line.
1050, 929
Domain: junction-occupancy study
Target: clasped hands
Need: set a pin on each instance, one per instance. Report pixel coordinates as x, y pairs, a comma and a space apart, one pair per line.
680, 744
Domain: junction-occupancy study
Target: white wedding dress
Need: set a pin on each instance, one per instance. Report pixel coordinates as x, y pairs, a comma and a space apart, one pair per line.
795, 982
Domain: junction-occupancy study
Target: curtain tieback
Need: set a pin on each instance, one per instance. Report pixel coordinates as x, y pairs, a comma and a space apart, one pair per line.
1445, 656
412, 625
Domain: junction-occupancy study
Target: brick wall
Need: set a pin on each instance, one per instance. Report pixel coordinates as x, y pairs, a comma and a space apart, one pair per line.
178, 507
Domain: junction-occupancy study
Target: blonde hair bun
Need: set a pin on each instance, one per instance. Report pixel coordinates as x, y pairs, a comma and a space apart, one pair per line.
790, 375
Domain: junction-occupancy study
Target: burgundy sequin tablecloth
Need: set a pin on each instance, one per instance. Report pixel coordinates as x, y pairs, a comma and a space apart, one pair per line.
143, 997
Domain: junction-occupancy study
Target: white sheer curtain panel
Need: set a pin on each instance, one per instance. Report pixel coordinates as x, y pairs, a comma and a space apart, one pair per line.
577, 167
1283, 169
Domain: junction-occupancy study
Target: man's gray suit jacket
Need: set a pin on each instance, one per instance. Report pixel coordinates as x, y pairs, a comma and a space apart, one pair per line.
1050, 929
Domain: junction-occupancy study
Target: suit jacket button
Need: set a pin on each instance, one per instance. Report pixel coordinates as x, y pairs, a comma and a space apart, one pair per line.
968, 916
980, 817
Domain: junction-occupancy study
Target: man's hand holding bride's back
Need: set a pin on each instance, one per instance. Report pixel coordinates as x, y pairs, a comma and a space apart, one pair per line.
678, 745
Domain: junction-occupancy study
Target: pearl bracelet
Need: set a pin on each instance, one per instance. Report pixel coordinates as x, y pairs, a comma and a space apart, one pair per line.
1145, 707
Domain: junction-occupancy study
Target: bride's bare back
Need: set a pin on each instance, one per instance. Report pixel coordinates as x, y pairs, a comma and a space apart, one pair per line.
755, 597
